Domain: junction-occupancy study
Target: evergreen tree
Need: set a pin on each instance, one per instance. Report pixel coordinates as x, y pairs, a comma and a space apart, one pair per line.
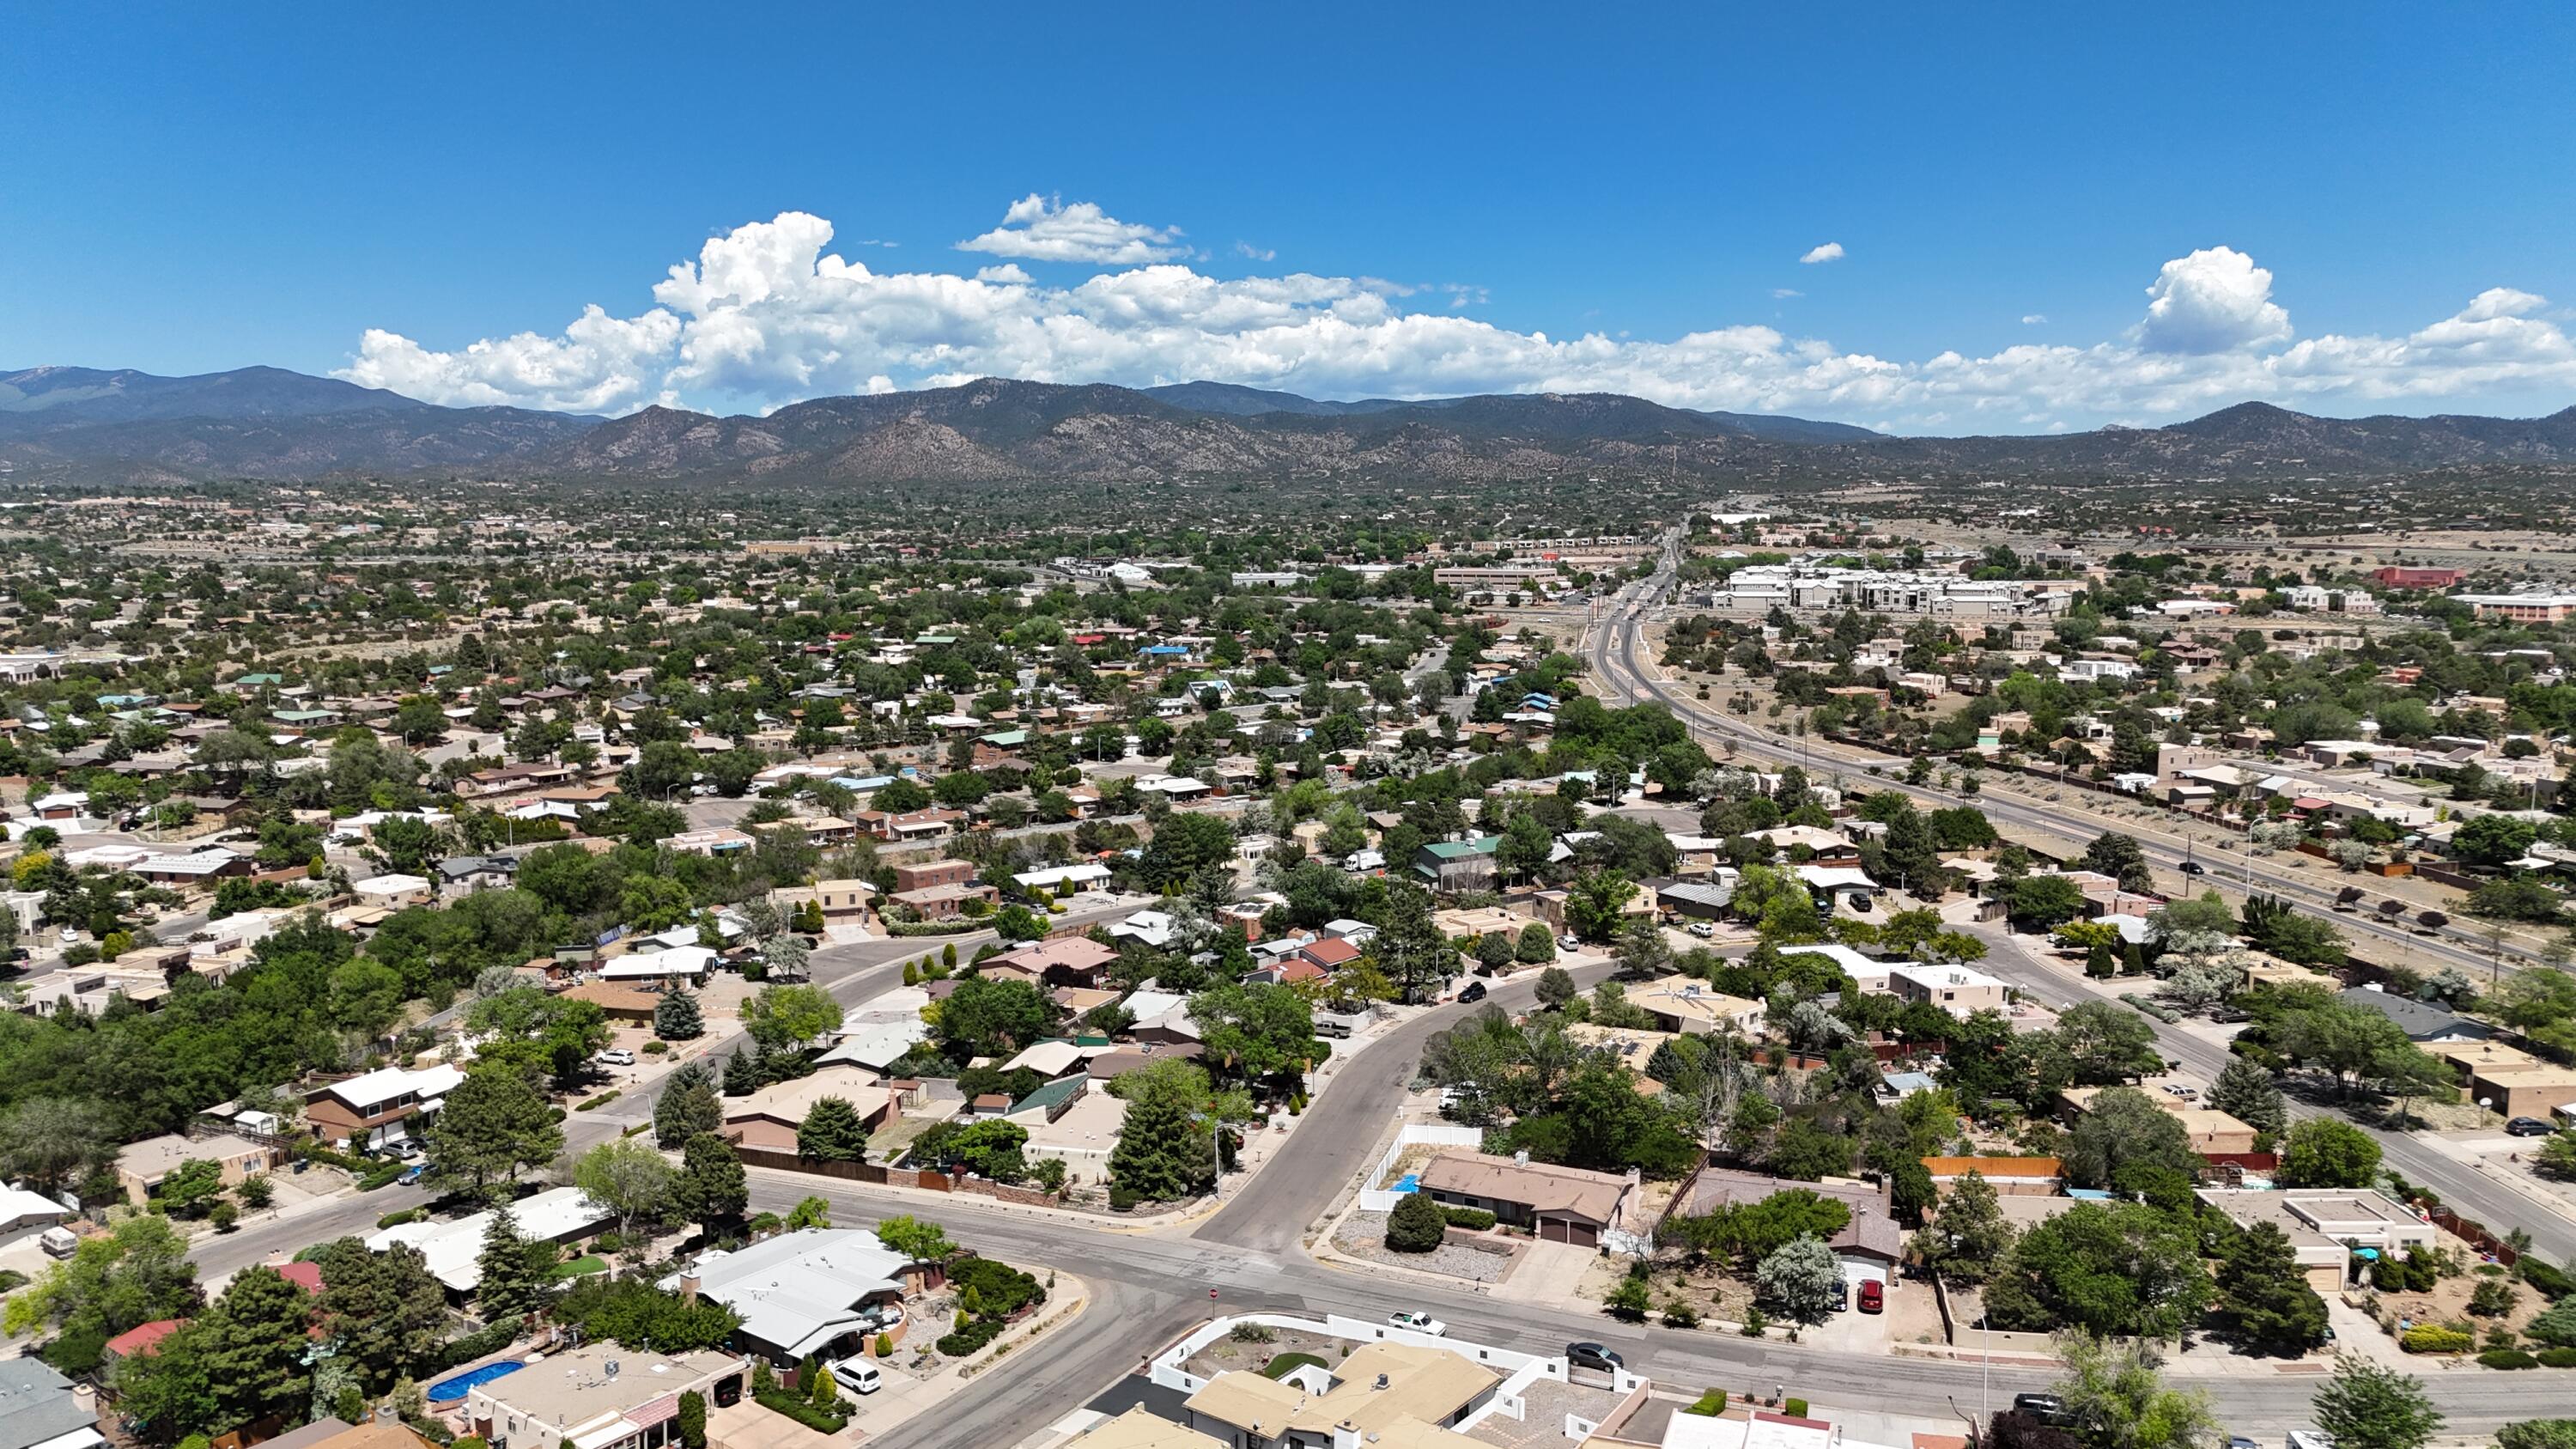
832, 1132
516, 1272
712, 1188
494, 1126
2246, 1092
1970, 1236
254, 1346
2264, 1297
1160, 1156
1417, 1225
676, 1018
687, 1107
741, 1075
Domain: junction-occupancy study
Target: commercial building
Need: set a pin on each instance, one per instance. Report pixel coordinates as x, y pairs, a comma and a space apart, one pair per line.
1803, 588
2521, 608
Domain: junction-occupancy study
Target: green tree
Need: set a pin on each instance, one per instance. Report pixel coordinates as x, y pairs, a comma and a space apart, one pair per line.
2038, 902
2264, 1299
2124, 1128
1536, 947
712, 1188
992, 1018
53, 1141
676, 1017
2366, 1406
2120, 857
629, 1179
832, 1132
2118, 1400
809, 1212
1417, 1225
781, 1017
2117, 1269
1595, 903
134, 1274
2246, 1092
2323, 1152
254, 1346
517, 1275
687, 1106
2101, 1042
1970, 1236
169, 1394
693, 1420
916, 1241
1163, 1153
386, 1310
1556, 989
493, 1128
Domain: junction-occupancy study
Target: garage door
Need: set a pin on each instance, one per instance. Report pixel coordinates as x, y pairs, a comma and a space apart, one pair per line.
1558, 1230
1857, 1271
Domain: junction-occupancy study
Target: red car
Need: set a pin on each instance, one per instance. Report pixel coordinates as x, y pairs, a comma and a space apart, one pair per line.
1873, 1296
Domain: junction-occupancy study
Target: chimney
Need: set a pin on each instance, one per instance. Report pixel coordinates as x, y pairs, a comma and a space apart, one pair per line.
689, 1290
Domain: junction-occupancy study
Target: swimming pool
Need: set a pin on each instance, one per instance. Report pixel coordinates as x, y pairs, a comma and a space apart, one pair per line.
448, 1391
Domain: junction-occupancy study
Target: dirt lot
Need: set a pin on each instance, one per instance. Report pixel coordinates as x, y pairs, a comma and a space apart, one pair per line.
2448, 1303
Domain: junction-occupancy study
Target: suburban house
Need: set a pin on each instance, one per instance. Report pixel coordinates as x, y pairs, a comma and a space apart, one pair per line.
1456, 866
454, 1250
1870, 1245
39, 1409
142, 1166
2324, 1225
378, 1107
767, 1119
1557, 1204
2425, 1022
823, 1291
1381, 1394
2213, 1133
393, 892
600, 1396
1955, 989
1068, 961
1685, 1003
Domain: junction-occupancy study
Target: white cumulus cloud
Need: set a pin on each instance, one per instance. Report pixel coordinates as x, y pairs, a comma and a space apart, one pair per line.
1829, 252
768, 314
2214, 300
2033, 319
1044, 229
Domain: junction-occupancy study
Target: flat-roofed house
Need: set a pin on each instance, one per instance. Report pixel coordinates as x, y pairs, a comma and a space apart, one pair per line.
599, 1396
142, 1166
1685, 1003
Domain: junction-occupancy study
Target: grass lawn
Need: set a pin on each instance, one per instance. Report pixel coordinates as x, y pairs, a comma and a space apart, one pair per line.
1289, 1363
580, 1267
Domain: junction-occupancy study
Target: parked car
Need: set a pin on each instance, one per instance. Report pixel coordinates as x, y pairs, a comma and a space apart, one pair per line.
1569, 942
1702, 929
1474, 991
617, 1057
2528, 1127
1592, 1356
858, 1375
413, 1173
1419, 1323
2046, 1408
1873, 1296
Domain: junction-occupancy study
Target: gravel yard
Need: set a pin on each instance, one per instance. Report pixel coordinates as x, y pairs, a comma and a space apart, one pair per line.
1363, 1236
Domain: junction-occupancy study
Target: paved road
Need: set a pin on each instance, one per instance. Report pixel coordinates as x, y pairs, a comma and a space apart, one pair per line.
1612, 650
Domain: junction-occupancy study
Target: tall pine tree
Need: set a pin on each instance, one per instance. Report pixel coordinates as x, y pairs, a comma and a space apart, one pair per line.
517, 1273
687, 1107
676, 1018
1159, 1156
2264, 1297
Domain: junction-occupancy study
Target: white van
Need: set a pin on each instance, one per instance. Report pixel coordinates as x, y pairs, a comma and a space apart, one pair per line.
857, 1375
58, 1242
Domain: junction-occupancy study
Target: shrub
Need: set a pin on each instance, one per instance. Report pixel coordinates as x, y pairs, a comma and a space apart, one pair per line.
224, 1215
1678, 1314
885, 1345
2507, 1358
471, 1441
1794, 1408
602, 1100
473, 1346
1417, 1225
2433, 1338
2493, 1298
2551, 1283
378, 1176
1474, 1220
1708, 1405
1629, 1300
822, 1421
972, 1336
2557, 1357
1755, 1321
656, 1047
1251, 1333
397, 1219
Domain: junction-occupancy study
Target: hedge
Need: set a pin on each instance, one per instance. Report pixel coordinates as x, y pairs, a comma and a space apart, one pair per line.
602, 1100
1474, 1220
2557, 1357
2552, 1283
802, 1412
378, 1177
934, 928
2433, 1338
1794, 1408
974, 1335
474, 1345
1710, 1404
2507, 1358
397, 1219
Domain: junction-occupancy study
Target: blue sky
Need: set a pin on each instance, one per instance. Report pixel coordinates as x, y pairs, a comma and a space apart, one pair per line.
2346, 208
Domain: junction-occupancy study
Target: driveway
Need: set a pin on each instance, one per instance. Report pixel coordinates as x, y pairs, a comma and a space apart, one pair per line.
1550, 1273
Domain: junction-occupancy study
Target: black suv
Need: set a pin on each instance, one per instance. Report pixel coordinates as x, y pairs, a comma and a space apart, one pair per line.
2046, 1408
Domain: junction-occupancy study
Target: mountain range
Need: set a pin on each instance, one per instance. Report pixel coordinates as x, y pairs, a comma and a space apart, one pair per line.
261, 422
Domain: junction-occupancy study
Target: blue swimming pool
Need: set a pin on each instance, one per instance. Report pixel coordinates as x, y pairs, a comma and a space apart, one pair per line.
448, 1391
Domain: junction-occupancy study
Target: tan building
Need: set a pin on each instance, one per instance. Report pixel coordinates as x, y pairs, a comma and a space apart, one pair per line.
141, 1166
599, 1396
1381, 1394
1140, 1428
768, 1119
1685, 1003
2506, 1079
1558, 1204
2212, 1132
1955, 989
2324, 1225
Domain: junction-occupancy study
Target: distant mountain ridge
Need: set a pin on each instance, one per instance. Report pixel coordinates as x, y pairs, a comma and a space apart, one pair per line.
261, 422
